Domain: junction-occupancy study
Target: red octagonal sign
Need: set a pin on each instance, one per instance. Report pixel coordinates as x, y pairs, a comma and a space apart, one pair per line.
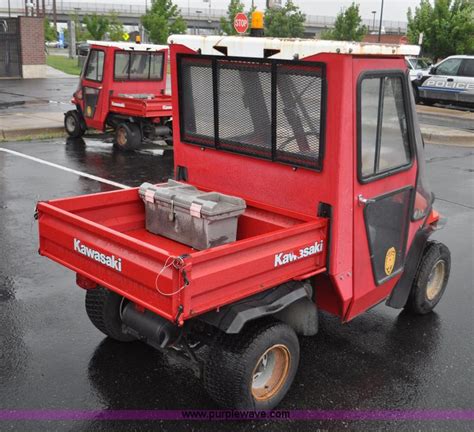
241, 23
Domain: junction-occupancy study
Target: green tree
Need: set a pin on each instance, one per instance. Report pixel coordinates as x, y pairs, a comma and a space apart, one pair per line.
447, 27
287, 21
227, 23
81, 32
50, 34
348, 26
97, 25
116, 28
163, 19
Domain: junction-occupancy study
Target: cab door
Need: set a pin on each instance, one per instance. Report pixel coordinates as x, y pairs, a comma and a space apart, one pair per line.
92, 86
383, 186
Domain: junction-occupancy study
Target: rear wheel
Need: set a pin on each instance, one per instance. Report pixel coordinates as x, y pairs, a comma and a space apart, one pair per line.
431, 279
74, 124
103, 308
253, 369
127, 136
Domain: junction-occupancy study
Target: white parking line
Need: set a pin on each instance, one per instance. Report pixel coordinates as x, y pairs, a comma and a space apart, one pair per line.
79, 173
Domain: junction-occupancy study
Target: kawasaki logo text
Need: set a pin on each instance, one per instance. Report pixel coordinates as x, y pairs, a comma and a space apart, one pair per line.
107, 260
286, 258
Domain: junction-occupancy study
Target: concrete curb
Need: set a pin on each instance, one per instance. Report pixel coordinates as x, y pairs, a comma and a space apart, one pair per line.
431, 134
446, 136
31, 133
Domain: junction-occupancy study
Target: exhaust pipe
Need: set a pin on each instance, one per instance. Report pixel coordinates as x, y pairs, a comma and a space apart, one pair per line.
150, 327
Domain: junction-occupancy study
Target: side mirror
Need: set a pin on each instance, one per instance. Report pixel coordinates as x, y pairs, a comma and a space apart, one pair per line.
432, 70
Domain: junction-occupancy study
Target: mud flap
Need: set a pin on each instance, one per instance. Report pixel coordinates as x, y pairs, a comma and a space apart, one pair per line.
233, 317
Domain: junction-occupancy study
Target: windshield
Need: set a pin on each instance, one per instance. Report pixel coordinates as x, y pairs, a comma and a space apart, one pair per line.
419, 63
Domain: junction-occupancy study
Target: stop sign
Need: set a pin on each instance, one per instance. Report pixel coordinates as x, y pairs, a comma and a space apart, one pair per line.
241, 23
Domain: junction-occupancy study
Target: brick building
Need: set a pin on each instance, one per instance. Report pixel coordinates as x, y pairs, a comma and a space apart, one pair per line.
22, 51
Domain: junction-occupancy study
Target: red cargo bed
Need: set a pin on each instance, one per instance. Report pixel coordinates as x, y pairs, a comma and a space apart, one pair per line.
157, 106
103, 237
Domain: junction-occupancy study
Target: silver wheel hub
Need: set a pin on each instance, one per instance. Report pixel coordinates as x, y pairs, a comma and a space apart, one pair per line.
435, 280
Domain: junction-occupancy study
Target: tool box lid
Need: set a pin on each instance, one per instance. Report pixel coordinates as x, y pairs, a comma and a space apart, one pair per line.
189, 198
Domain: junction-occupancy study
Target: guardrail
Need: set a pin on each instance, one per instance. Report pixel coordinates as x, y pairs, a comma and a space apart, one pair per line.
204, 13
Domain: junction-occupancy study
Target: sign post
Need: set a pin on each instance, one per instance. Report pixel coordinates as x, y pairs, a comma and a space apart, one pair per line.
241, 23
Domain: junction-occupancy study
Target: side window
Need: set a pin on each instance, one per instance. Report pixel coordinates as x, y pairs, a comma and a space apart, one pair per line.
468, 68
383, 141
449, 67
95, 66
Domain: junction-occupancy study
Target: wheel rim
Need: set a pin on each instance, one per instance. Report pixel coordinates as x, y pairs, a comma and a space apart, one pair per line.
121, 137
435, 280
271, 372
70, 123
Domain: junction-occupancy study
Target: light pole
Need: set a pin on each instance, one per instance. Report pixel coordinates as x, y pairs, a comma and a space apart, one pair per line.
9, 13
380, 24
373, 21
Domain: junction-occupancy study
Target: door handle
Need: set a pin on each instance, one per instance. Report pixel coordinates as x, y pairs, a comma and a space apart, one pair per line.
364, 201
450, 80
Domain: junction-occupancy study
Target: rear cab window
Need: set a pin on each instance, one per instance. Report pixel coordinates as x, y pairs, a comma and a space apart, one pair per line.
138, 66
383, 135
270, 109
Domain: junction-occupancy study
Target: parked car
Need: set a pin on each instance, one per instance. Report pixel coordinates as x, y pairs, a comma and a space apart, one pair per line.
449, 81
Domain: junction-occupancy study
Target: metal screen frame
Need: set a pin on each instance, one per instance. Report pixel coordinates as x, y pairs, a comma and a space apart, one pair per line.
315, 164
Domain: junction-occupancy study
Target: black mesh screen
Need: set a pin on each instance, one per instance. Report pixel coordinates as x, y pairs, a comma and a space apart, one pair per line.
244, 105
298, 114
264, 108
197, 112
386, 221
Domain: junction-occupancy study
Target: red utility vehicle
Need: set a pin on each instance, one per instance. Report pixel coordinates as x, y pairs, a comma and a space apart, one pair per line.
122, 86
322, 141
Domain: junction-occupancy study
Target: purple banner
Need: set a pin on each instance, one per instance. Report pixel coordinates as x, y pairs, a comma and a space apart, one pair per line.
219, 415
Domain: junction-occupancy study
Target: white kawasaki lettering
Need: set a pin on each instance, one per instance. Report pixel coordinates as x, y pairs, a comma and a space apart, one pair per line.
107, 260
289, 257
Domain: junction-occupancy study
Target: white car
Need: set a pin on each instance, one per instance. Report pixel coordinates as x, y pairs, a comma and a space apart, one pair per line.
450, 81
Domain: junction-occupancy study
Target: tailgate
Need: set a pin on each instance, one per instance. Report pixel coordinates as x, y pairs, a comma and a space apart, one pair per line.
103, 238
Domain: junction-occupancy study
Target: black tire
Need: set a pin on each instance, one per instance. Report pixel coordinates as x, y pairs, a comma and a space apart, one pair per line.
231, 371
74, 124
430, 280
127, 136
103, 309
428, 102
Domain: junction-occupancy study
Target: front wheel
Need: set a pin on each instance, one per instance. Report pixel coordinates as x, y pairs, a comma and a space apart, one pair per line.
74, 124
430, 280
253, 369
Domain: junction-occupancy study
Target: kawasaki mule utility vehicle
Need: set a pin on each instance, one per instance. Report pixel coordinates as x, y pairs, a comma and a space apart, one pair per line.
122, 86
321, 140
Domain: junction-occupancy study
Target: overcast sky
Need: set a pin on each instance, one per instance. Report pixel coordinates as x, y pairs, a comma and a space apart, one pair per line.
394, 10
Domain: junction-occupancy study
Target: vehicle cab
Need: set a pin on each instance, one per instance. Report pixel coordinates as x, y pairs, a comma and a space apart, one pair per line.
122, 86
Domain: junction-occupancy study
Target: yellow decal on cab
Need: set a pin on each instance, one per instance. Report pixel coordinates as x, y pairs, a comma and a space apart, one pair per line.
390, 258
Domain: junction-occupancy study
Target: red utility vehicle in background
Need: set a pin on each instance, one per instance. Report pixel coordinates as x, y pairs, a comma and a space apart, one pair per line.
123, 87
321, 139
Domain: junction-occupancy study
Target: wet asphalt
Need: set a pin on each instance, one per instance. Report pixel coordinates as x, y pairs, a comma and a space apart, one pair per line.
51, 356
